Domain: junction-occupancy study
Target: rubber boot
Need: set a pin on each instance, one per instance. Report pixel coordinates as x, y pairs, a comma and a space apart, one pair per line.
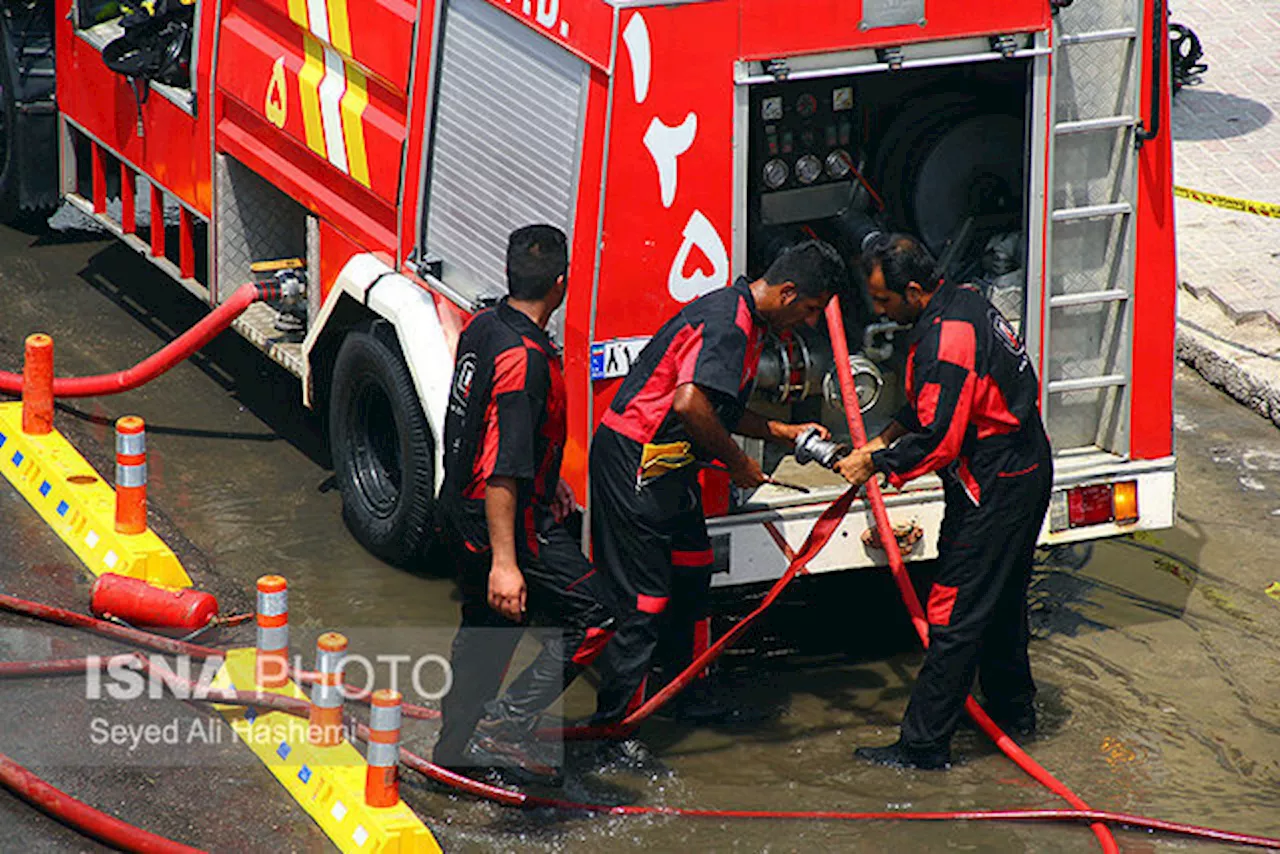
899, 755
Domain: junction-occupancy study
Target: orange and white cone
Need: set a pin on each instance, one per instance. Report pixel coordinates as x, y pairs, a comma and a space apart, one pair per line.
382, 782
131, 475
326, 693
272, 667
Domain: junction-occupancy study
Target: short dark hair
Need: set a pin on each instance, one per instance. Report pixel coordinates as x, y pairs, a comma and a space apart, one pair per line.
815, 267
902, 260
537, 255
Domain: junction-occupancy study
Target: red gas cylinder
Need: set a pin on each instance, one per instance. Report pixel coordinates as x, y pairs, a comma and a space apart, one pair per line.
146, 605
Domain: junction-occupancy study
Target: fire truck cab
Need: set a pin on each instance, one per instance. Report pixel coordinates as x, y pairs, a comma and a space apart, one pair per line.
392, 145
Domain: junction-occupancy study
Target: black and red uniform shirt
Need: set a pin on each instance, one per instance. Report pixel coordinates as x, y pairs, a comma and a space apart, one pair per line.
506, 418
973, 398
714, 342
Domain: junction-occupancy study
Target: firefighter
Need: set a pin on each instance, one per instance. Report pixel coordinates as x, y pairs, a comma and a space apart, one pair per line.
973, 416
504, 506
672, 415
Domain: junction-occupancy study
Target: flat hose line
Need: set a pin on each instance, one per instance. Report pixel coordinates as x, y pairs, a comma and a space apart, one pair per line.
509, 797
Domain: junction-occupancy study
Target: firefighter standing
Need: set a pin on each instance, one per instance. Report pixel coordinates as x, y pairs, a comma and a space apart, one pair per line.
503, 505
675, 409
974, 416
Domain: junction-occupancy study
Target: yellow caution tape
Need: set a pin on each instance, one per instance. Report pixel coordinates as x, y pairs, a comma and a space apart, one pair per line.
1229, 202
1273, 590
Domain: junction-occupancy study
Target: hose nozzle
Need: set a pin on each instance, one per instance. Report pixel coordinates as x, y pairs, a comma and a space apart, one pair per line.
812, 448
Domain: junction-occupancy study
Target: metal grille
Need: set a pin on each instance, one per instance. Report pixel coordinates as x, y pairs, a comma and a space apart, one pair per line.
505, 149
255, 222
1091, 255
1088, 341
1096, 79
1084, 418
1091, 263
1090, 168
1096, 15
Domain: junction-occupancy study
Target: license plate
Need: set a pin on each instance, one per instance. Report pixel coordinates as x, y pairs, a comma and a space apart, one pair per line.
613, 359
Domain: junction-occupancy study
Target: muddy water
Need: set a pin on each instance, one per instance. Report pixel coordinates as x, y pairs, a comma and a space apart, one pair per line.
1156, 655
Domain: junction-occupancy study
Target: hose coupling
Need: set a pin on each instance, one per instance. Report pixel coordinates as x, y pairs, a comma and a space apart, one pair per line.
812, 448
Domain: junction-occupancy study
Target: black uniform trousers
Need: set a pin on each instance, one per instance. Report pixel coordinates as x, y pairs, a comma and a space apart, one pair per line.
978, 605
564, 595
650, 540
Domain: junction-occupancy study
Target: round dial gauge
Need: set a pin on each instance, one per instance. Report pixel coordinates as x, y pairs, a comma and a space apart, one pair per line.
806, 105
839, 163
808, 169
775, 173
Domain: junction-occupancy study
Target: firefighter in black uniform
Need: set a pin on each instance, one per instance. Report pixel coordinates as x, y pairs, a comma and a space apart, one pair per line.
503, 504
674, 412
973, 415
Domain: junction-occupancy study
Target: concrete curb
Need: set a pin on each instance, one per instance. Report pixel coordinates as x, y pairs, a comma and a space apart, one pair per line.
1230, 354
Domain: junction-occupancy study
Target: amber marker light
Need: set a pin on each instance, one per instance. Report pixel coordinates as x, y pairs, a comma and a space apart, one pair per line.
1126, 502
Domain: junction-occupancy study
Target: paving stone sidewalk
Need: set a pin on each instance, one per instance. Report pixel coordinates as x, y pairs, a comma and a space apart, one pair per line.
1226, 134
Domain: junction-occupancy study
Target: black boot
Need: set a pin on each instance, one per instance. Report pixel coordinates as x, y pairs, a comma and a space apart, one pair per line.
628, 754
503, 744
899, 755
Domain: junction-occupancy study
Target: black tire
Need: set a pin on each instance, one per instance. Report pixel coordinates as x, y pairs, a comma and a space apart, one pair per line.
28, 133
10, 209
383, 449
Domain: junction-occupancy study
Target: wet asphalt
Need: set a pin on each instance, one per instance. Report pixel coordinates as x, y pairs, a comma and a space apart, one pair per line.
1155, 653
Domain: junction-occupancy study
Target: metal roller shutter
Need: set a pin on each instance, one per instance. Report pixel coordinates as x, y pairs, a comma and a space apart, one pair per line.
505, 148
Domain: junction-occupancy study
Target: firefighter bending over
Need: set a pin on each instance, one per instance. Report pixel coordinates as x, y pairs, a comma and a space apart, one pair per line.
974, 417
673, 413
503, 503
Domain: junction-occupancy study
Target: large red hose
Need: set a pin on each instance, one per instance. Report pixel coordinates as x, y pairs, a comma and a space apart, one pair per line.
840, 345
175, 352
300, 708
81, 816
146, 640
515, 798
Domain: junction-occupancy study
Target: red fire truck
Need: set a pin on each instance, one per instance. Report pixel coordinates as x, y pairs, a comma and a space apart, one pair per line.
391, 146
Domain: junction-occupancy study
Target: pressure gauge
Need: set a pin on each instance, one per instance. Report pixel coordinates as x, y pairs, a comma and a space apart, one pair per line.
808, 169
839, 163
806, 105
775, 173
771, 108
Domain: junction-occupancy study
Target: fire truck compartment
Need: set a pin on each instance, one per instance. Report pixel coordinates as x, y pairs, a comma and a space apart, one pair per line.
939, 152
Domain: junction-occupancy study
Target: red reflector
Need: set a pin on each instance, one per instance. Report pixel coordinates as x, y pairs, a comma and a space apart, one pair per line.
1090, 505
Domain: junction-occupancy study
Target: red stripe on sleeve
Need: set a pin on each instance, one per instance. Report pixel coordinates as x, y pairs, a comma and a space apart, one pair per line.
687, 349
927, 403
702, 558
957, 344
949, 447
509, 370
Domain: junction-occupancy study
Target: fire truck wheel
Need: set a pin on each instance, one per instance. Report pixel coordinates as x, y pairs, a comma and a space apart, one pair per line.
383, 449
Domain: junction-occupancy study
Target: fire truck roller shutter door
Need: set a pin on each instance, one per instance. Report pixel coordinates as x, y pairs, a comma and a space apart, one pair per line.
386, 405
28, 120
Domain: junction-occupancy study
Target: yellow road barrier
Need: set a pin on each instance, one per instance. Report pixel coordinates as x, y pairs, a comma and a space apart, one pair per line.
327, 782
79, 505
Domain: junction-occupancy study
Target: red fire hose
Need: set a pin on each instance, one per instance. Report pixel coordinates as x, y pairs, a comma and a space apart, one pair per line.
300, 708
175, 352
835, 324
81, 816
148, 640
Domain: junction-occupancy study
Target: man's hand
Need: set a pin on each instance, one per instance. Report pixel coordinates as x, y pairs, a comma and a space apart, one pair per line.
856, 467
789, 433
746, 472
507, 590
564, 502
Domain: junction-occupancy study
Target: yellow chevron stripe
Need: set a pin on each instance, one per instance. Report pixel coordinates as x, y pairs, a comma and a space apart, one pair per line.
353, 104
340, 26
298, 12
309, 85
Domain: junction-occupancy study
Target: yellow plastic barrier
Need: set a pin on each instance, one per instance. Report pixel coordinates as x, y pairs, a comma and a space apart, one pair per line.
79, 505
328, 782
